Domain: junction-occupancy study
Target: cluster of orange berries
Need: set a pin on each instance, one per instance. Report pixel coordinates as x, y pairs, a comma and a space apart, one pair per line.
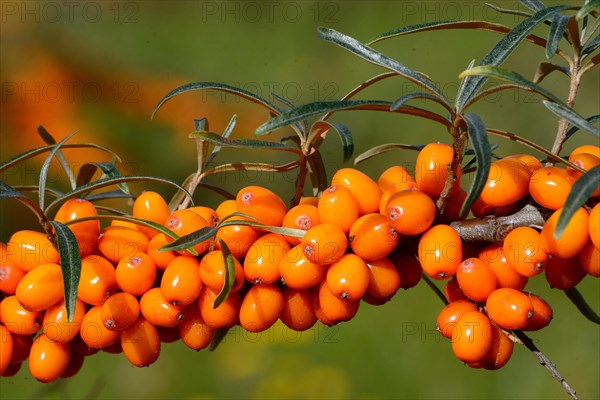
363, 241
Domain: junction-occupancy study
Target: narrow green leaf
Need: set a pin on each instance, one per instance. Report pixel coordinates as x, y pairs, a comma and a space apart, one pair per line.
557, 30
265, 167
546, 68
7, 192
478, 136
572, 117
34, 188
110, 194
380, 59
384, 148
70, 264
533, 5
503, 49
218, 338
112, 181
320, 129
87, 171
216, 86
233, 215
48, 139
588, 31
45, 166
407, 97
587, 8
297, 233
508, 10
510, 76
592, 46
229, 277
575, 128
44, 149
187, 241
582, 190
317, 172
226, 133
253, 144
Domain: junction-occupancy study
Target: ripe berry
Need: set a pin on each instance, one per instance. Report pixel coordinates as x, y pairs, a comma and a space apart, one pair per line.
506, 276
338, 206
324, 244
509, 308
261, 265
564, 274
181, 282
41, 287
298, 272
384, 278
224, 316
136, 274
150, 206
507, 182
238, 239
193, 331
393, 175
333, 308
542, 314
472, 337
392, 190
141, 343
585, 161
372, 237
261, 203
94, 333
499, 353
117, 242
476, 279
56, 325
48, 359
87, 232
184, 222
158, 311
587, 148
410, 212
21, 345
160, 258
453, 292
261, 307
408, 266
28, 249
431, 169
550, 186
74, 366
440, 251
298, 312
532, 163
364, 189
589, 259
225, 208
10, 274
6, 348
524, 252
348, 278
303, 217
119, 311
573, 239
97, 280
17, 319
447, 318
213, 269
594, 225
207, 213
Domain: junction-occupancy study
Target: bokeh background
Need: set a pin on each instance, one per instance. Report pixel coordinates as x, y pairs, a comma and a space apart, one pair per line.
100, 67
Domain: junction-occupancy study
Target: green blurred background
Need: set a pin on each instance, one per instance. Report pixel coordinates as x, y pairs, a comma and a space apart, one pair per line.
100, 68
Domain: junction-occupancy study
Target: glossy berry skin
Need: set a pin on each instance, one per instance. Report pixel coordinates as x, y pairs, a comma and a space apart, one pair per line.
184, 222
524, 251
472, 337
117, 242
158, 311
365, 190
41, 288
261, 307
119, 311
384, 278
261, 265
338, 206
507, 182
213, 269
500, 352
298, 311
207, 213
181, 283
97, 280
21, 345
193, 331
372, 237
48, 359
28, 249
150, 206
17, 319
453, 292
506, 276
431, 169
585, 161
303, 217
509, 308
594, 225
225, 315
448, 317
160, 258
261, 203
532, 163
10, 274
574, 237
408, 266
74, 366
87, 232
324, 244
550, 186
348, 278
410, 212
392, 176
542, 314
141, 343
392, 190
56, 325
564, 274
476, 279
93, 332
440, 251
238, 239
587, 148
136, 274
333, 308
589, 259
298, 272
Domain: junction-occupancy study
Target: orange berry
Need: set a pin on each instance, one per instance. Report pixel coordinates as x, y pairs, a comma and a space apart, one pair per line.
6, 348
310, 200
594, 225
150, 206
118, 242
338, 206
10, 275
574, 237
261, 265
324, 244
224, 316
184, 222
589, 259
226, 208
97, 280
238, 239
542, 314
48, 359
507, 182
506, 276
348, 278
261, 203
298, 312
160, 258
93, 332
586, 161
158, 311
476, 279
212, 271
168, 335
303, 217
409, 268
564, 274
74, 366
550, 186
114, 348
532, 163
410, 212
21, 345
587, 148
56, 325
126, 224
181, 283
17, 319
431, 169
523, 250
333, 308
447, 318
194, 332
499, 353
453, 292
261, 307
440, 251
509, 308
298, 272
141, 343
207, 213
472, 337
372, 237
41, 287
11, 370
28, 249
136, 274
392, 176
87, 232
364, 189
319, 312
392, 190
454, 205
384, 278
119, 311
